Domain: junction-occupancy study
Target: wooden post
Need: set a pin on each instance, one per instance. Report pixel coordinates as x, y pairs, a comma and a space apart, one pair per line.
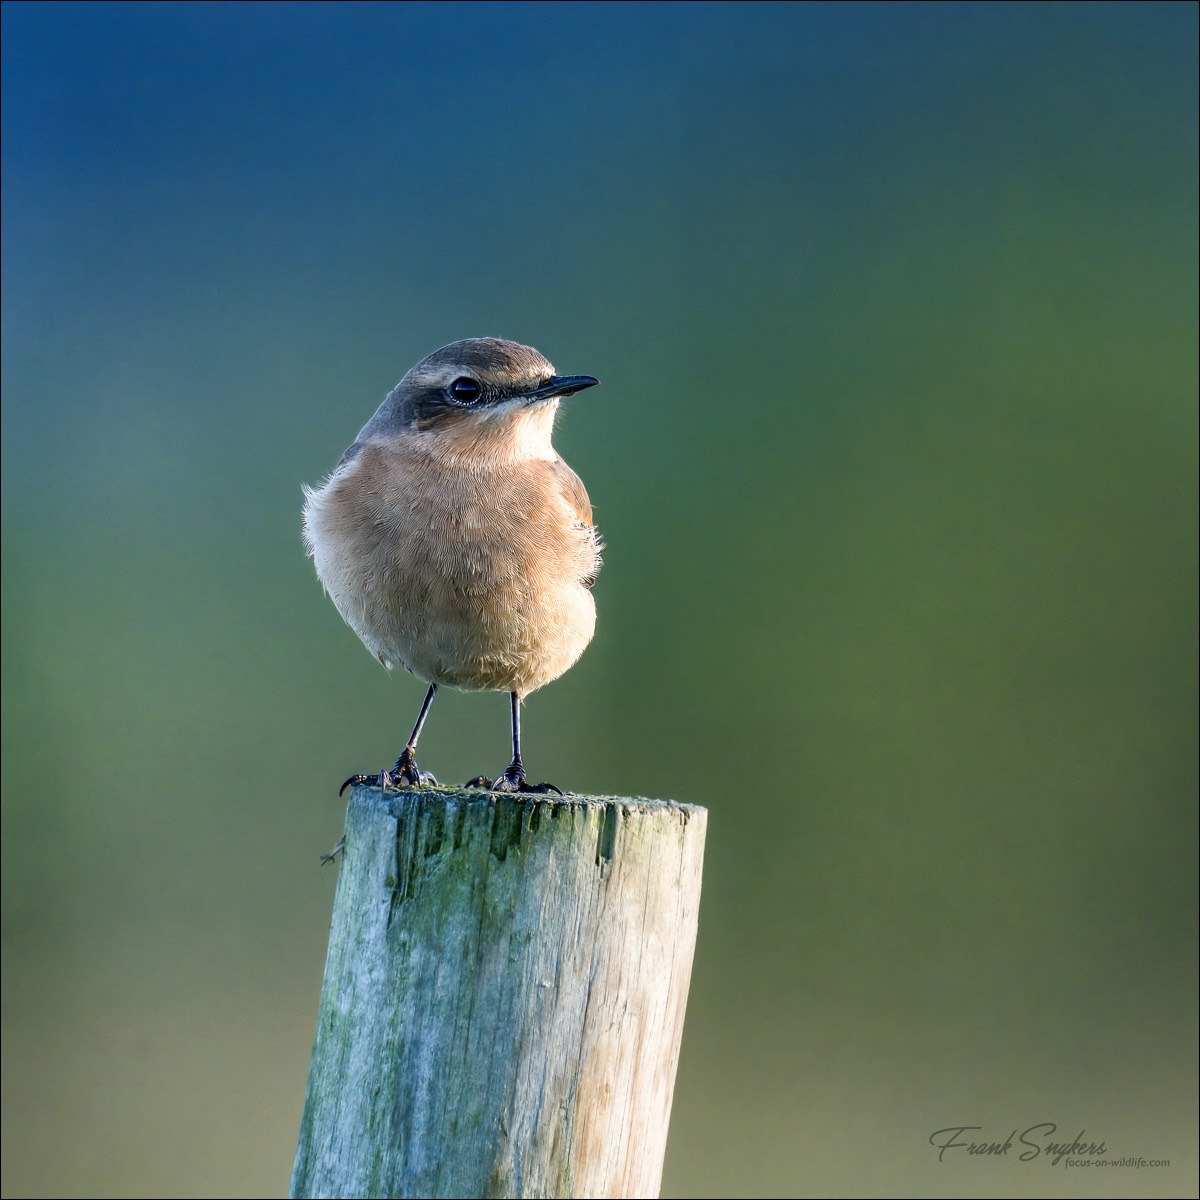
503, 998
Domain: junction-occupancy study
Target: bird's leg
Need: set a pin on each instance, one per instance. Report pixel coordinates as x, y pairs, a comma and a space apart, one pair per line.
513, 779
406, 770
405, 773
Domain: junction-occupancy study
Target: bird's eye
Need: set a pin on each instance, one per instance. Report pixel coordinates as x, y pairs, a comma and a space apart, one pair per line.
465, 390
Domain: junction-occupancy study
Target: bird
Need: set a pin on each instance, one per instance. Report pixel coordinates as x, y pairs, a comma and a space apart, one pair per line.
455, 541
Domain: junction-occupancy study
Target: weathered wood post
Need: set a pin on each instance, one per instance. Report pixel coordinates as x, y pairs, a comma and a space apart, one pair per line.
503, 998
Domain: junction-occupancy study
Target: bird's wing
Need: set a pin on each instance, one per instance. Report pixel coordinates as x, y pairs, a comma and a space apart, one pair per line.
576, 496
574, 491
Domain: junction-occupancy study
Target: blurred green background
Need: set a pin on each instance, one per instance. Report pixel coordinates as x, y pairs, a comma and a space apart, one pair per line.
895, 312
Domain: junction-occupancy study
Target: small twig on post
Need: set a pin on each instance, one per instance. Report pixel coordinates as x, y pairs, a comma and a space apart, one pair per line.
504, 997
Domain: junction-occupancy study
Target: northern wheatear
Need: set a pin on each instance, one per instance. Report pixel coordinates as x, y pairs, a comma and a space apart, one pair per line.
456, 542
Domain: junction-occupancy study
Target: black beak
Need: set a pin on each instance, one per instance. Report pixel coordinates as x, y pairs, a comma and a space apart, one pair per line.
561, 385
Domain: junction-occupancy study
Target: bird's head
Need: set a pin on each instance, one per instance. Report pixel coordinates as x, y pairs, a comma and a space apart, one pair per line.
479, 396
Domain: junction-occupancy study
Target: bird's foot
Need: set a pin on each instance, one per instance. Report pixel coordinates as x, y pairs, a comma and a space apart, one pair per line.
513, 780
332, 855
405, 773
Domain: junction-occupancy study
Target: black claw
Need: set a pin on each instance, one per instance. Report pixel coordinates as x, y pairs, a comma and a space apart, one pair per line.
505, 783
480, 781
513, 780
405, 773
